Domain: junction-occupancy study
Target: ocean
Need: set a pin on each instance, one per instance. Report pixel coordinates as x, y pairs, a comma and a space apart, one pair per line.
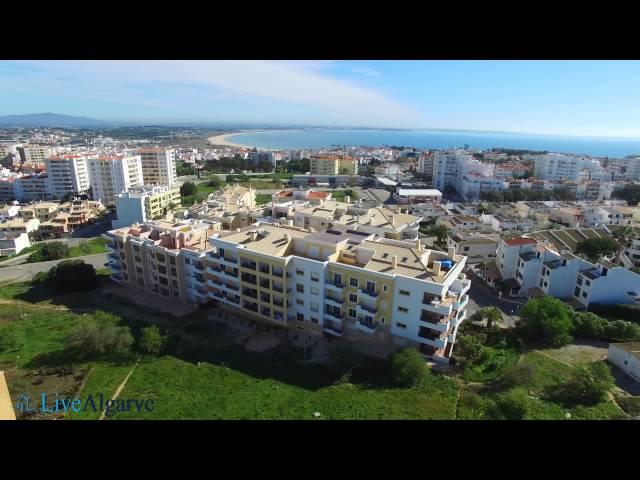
426, 139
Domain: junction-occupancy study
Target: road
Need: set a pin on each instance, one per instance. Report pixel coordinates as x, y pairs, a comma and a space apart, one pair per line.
481, 296
26, 271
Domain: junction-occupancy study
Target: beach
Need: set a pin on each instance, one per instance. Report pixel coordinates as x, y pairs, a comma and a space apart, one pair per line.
222, 140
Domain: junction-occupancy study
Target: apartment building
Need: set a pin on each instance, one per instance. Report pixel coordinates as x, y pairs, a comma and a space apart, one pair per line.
418, 195
451, 166
507, 255
510, 223
558, 166
632, 250
384, 292
36, 154
257, 158
30, 188
67, 174
425, 164
158, 166
19, 225
473, 185
114, 174
41, 210
13, 243
463, 223
144, 203
333, 165
477, 247
163, 258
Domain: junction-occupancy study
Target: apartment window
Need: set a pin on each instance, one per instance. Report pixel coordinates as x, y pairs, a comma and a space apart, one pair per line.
546, 283
172, 260
314, 307
384, 288
300, 272
314, 277
160, 257
353, 281
401, 326
352, 312
300, 302
175, 284
382, 320
187, 261
299, 288
403, 309
406, 293
314, 320
315, 291
584, 294
300, 317
576, 292
579, 280
587, 283
353, 298
174, 272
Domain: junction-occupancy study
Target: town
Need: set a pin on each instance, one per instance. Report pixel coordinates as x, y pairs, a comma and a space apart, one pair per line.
454, 255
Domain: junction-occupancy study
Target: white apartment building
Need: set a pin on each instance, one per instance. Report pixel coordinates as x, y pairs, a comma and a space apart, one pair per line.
451, 167
31, 187
37, 153
559, 166
447, 168
158, 166
114, 174
508, 252
632, 250
472, 185
626, 356
67, 174
144, 203
633, 168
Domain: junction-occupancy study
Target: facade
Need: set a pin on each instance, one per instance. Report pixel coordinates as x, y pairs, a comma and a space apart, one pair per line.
333, 165
261, 157
477, 247
425, 164
37, 153
311, 180
67, 174
558, 166
145, 203
418, 195
508, 252
632, 250
473, 185
158, 166
18, 225
11, 243
114, 174
626, 356
31, 187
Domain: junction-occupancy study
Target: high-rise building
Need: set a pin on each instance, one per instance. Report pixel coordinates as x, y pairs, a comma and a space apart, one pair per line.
114, 174
558, 166
31, 187
37, 153
67, 174
158, 166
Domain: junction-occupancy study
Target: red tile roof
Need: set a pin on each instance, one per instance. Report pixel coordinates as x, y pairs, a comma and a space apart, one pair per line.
284, 194
317, 195
519, 241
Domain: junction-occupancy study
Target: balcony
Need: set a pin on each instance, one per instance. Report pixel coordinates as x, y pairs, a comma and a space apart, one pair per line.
334, 285
334, 301
434, 321
276, 273
230, 286
249, 265
365, 310
332, 330
277, 288
461, 303
334, 316
366, 327
250, 293
368, 293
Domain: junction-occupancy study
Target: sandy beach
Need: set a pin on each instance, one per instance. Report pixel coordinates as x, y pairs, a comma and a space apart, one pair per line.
222, 140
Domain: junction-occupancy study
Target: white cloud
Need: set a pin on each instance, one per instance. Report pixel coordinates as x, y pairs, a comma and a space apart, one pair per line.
368, 71
305, 83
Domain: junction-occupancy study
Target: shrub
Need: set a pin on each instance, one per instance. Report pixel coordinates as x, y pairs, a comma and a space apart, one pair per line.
596, 247
470, 348
407, 368
513, 404
521, 374
100, 335
214, 181
589, 384
152, 341
625, 312
548, 320
49, 251
71, 276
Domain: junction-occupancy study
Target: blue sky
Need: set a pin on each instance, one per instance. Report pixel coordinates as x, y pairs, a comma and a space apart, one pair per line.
590, 98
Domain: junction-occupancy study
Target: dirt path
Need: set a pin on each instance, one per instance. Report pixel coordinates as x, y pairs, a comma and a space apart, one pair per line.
119, 389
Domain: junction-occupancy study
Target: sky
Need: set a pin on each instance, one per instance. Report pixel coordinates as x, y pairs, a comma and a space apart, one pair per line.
584, 98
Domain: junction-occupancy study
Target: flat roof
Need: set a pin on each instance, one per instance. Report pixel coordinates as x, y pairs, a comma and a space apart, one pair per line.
419, 192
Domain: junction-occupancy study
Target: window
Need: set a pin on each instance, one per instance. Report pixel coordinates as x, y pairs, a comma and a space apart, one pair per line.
300, 317
401, 326
403, 309
352, 313
314, 277
406, 293
353, 282
300, 272
384, 288
300, 302
315, 291
314, 320
587, 283
353, 298
299, 288
314, 307
584, 294
540, 283
172, 260
382, 320
576, 292
546, 283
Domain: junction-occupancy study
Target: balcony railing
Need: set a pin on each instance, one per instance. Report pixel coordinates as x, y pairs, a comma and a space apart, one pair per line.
249, 265
368, 292
335, 284
339, 301
276, 273
368, 309
432, 317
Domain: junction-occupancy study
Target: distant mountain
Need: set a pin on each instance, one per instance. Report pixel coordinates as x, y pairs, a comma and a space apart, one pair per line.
50, 120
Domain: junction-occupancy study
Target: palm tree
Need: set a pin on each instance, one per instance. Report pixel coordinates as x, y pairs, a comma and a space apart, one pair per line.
625, 234
440, 232
492, 315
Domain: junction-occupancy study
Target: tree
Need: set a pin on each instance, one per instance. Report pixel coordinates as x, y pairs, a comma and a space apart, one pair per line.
84, 247
625, 234
594, 248
470, 348
440, 232
188, 188
214, 181
630, 193
100, 334
589, 384
407, 368
548, 320
492, 315
49, 251
72, 276
152, 341
521, 374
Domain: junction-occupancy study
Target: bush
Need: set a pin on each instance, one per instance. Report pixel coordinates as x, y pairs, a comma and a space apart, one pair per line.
72, 276
152, 341
548, 320
408, 368
214, 181
49, 251
630, 313
470, 348
592, 326
521, 374
589, 384
596, 247
513, 404
188, 188
100, 335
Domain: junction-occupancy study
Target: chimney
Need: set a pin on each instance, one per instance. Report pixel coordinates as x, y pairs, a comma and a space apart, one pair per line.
253, 235
287, 237
419, 244
347, 198
436, 268
394, 261
451, 251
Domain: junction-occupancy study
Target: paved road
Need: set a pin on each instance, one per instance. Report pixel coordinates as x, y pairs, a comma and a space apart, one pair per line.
26, 271
481, 296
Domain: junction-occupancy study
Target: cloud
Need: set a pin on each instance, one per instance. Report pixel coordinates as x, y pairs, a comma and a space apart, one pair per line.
284, 84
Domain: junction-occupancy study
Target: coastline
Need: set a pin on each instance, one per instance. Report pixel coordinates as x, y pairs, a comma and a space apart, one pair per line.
222, 140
